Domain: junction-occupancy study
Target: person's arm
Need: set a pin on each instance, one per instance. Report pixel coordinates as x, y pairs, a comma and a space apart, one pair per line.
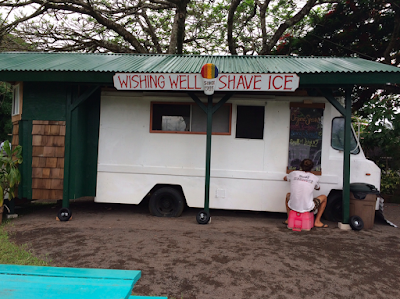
285, 178
317, 187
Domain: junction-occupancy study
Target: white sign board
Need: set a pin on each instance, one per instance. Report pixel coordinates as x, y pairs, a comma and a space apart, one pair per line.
194, 82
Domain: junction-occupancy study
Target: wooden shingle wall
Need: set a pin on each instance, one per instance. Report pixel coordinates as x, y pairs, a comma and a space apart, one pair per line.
15, 136
48, 144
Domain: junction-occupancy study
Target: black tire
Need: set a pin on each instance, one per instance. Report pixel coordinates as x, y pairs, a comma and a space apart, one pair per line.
166, 202
203, 217
356, 223
334, 208
64, 214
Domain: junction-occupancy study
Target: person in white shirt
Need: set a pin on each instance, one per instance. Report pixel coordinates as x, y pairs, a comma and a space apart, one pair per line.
301, 198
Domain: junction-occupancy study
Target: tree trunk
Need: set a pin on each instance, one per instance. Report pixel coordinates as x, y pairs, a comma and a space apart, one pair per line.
178, 28
231, 14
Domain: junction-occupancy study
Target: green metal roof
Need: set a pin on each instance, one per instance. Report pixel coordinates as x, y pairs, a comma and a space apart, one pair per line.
99, 68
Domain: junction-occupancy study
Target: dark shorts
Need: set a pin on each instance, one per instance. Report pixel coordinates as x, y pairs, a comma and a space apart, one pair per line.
317, 203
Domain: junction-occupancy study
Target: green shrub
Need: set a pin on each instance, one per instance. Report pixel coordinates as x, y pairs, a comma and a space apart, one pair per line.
390, 180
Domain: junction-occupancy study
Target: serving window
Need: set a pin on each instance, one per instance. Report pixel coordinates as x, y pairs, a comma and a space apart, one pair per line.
250, 122
188, 118
305, 137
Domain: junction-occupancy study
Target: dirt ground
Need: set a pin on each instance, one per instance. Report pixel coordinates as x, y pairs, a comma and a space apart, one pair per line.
238, 255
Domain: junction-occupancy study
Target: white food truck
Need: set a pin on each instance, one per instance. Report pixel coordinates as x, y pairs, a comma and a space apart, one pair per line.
154, 144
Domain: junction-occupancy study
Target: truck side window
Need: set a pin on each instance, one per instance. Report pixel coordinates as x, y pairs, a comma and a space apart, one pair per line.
188, 118
250, 122
337, 138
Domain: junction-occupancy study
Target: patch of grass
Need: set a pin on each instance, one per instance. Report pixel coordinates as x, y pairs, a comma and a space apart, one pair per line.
13, 254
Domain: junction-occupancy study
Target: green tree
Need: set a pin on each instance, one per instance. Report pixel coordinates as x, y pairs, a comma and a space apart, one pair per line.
365, 28
154, 26
380, 138
368, 29
10, 176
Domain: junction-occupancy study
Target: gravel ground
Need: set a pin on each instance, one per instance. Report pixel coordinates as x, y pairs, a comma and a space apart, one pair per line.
238, 255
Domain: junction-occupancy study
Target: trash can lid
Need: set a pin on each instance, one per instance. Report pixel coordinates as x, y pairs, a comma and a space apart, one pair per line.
363, 187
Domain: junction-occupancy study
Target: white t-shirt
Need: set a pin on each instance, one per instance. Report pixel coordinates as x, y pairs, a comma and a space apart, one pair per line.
301, 190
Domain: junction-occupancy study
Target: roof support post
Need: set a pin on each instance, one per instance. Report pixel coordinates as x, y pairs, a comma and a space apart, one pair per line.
210, 109
346, 157
67, 153
346, 113
208, 154
71, 106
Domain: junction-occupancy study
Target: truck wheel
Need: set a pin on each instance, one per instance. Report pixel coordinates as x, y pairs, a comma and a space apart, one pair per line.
64, 214
356, 223
166, 202
203, 217
334, 208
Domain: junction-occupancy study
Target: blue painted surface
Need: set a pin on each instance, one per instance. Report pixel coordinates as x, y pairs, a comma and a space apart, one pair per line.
30, 282
146, 297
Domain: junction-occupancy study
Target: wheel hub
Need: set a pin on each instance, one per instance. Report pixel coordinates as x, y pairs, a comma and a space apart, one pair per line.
166, 203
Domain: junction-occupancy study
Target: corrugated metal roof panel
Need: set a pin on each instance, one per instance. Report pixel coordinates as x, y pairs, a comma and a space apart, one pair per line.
155, 63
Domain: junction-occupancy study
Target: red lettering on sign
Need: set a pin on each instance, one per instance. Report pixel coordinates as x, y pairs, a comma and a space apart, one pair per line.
231, 80
256, 81
137, 82
240, 82
248, 85
273, 82
152, 80
220, 80
123, 82
143, 80
173, 82
287, 81
182, 79
161, 82
195, 83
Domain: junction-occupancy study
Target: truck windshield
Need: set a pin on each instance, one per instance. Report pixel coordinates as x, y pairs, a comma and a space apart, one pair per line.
337, 139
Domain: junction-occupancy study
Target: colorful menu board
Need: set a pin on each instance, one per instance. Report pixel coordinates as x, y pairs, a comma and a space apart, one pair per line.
305, 138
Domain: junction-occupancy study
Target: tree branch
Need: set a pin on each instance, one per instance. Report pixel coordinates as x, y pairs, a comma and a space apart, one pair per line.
150, 30
88, 9
263, 11
267, 47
